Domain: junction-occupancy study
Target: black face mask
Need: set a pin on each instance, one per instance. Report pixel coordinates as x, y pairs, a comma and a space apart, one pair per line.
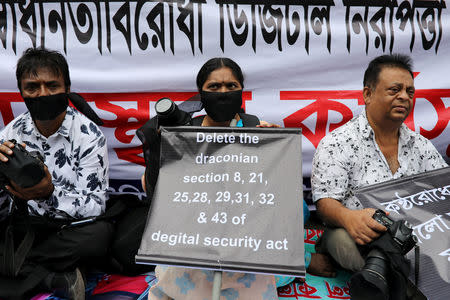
221, 107
47, 107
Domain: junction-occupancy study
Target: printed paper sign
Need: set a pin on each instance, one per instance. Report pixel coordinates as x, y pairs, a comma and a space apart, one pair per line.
228, 199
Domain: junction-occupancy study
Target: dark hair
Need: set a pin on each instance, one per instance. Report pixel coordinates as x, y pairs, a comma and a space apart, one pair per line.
217, 63
377, 64
34, 59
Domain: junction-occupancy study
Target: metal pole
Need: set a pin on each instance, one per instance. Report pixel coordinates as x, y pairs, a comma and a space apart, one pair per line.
217, 283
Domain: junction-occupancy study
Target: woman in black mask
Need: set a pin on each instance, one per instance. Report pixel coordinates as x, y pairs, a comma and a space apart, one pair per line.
220, 82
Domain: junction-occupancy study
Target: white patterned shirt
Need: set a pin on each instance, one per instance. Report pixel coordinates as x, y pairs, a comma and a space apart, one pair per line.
349, 158
77, 158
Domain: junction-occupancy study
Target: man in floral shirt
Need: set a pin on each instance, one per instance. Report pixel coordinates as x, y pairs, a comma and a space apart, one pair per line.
73, 188
373, 147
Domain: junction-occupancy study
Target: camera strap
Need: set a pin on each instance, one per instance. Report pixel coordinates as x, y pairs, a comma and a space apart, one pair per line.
81, 104
416, 264
12, 261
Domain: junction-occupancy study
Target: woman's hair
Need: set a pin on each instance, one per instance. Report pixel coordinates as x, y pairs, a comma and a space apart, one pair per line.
217, 63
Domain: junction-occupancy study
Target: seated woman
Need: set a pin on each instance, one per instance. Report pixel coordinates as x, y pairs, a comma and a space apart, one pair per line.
220, 82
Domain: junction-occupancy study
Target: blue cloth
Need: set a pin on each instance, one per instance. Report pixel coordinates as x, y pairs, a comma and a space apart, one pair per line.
306, 212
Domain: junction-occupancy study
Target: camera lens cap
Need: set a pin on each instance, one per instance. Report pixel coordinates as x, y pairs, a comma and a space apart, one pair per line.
164, 106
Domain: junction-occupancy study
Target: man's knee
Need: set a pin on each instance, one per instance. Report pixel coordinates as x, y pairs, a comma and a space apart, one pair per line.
89, 240
98, 240
340, 245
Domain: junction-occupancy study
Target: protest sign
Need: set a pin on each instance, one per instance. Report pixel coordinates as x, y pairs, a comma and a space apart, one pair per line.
422, 200
228, 199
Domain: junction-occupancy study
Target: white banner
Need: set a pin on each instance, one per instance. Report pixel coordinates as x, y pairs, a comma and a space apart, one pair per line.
303, 60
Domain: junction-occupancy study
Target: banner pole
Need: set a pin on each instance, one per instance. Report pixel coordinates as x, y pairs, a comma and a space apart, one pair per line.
217, 283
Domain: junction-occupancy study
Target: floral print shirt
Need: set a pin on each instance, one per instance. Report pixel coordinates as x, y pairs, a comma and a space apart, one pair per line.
77, 158
349, 158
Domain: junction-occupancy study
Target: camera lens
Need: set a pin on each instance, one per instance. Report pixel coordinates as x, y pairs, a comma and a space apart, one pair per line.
169, 114
164, 106
371, 282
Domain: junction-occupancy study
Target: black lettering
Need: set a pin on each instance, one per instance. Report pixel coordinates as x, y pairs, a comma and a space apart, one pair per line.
240, 21
293, 35
99, 26
3, 24
142, 40
27, 13
357, 22
380, 30
405, 13
124, 11
84, 17
273, 21
430, 22
56, 20
319, 16
108, 26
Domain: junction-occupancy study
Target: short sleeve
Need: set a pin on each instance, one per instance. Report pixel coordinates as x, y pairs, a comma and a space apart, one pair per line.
329, 175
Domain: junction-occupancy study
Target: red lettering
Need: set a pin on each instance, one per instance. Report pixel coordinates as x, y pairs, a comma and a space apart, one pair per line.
246, 96
131, 154
337, 292
310, 234
443, 113
129, 119
5, 106
286, 291
125, 121
322, 105
319, 233
306, 291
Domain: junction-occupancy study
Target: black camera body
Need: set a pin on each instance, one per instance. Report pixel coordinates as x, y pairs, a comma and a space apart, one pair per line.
168, 113
24, 168
383, 276
401, 231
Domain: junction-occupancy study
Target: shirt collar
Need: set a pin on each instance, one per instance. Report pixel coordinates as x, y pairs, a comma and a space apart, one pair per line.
364, 126
366, 130
405, 135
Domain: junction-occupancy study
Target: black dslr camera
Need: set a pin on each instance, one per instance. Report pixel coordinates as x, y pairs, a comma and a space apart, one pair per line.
24, 168
167, 114
401, 231
377, 280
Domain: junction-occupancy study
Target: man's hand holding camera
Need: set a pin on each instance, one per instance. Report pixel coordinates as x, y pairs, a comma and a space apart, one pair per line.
6, 149
43, 189
361, 226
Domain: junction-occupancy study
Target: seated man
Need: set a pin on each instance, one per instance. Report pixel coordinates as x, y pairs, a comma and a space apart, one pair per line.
73, 188
373, 147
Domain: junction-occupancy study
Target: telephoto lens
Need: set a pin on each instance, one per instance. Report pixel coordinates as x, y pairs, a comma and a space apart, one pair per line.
371, 283
169, 114
165, 107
